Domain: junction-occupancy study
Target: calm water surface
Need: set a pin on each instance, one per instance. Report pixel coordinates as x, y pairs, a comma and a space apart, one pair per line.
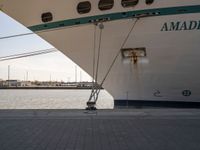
51, 99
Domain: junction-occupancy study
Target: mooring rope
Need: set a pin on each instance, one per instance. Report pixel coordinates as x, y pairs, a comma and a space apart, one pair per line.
95, 92
29, 54
118, 53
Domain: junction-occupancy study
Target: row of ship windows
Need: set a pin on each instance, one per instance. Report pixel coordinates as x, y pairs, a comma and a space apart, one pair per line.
85, 7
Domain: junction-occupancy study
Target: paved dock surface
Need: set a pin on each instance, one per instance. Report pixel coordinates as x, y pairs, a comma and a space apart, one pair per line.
138, 129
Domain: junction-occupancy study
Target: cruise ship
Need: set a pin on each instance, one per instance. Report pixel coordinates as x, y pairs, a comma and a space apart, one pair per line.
138, 50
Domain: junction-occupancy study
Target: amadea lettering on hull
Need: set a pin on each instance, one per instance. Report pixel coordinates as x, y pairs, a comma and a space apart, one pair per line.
181, 25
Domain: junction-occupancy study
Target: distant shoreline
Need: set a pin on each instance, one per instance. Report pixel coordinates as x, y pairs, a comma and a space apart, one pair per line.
45, 88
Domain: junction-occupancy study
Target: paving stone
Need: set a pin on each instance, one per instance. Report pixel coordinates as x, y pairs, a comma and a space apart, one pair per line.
141, 129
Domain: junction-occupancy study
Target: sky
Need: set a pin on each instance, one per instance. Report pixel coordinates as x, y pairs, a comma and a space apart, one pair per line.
53, 66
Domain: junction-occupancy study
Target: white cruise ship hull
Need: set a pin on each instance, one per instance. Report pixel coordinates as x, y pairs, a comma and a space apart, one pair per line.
168, 72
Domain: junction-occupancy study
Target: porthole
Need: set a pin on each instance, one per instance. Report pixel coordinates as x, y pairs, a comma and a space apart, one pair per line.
106, 4
84, 7
149, 1
129, 3
47, 17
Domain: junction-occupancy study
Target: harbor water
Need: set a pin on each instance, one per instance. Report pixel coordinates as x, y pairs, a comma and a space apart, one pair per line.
51, 99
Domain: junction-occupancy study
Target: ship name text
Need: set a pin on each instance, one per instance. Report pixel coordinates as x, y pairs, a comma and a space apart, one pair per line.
181, 26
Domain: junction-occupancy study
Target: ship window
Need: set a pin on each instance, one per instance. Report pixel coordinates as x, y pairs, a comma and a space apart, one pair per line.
129, 3
149, 1
84, 7
47, 17
106, 4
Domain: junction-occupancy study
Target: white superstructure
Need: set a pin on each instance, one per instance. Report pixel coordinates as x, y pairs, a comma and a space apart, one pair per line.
159, 61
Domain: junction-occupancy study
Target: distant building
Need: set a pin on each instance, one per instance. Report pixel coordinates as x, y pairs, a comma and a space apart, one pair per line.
88, 84
18, 83
46, 83
12, 83
15, 83
1, 83
69, 84
24, 84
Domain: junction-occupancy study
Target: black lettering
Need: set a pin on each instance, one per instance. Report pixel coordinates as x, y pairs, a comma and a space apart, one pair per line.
164, 28
193, 25
184, 26
198, 26
174, 26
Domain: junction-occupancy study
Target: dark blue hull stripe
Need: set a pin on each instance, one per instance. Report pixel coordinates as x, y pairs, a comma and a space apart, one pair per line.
155, 104
118, 16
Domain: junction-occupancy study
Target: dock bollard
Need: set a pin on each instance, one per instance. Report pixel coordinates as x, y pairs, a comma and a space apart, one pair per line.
91, 106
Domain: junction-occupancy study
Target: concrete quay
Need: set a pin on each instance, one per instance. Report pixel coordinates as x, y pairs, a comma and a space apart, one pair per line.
119, 129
